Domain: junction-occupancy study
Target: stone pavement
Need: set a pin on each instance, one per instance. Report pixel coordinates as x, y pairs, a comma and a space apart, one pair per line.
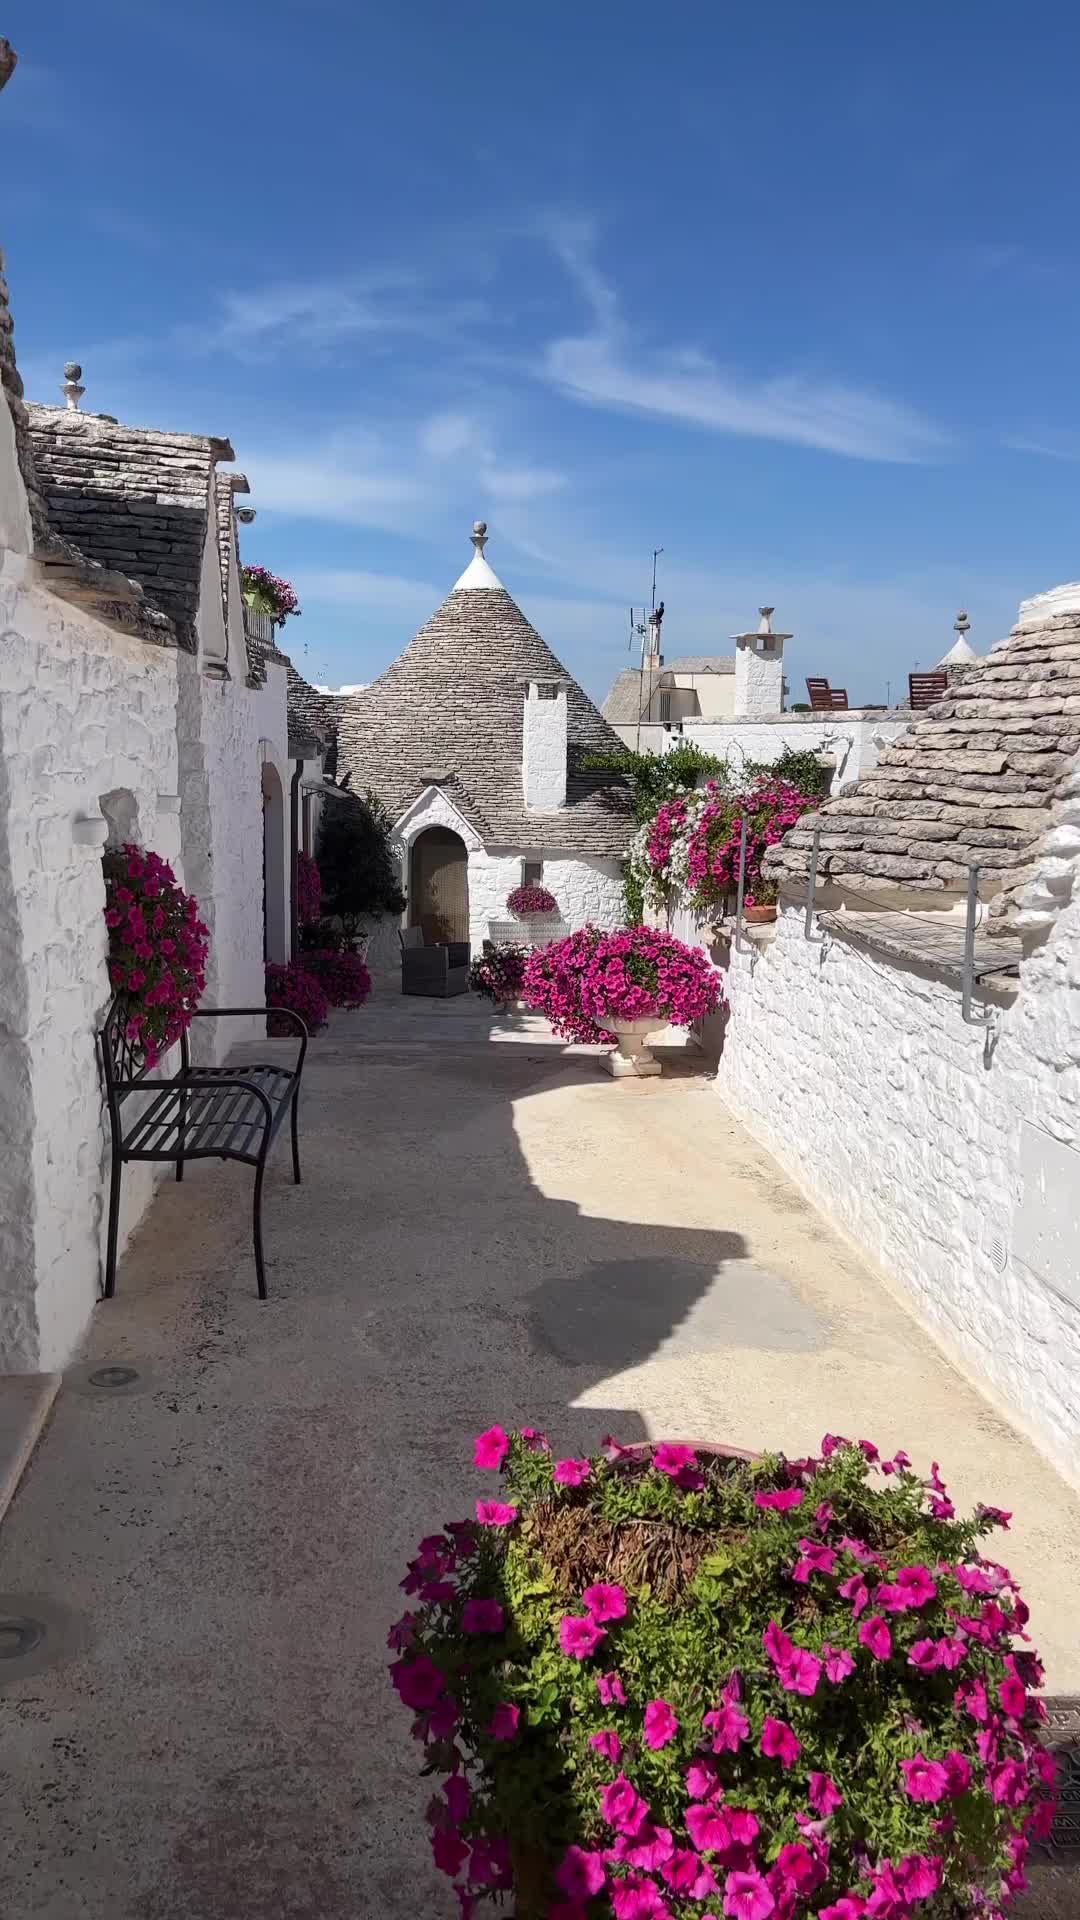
488, 1229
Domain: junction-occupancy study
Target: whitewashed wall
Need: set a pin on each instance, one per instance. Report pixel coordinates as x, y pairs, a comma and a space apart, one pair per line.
84, 712
952, 1160
585, 889
855, 739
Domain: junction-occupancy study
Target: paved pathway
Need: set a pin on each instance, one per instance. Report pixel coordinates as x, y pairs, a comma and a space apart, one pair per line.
488, 1229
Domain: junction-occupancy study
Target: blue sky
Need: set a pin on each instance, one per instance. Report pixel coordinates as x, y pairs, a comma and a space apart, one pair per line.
789, 292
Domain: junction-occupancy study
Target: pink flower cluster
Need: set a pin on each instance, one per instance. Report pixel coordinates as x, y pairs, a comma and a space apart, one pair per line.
592, 977
531, 900
269, 592
308, 890
157, 948
497, 972
294, 987
747, 1795
697, 840
342, 975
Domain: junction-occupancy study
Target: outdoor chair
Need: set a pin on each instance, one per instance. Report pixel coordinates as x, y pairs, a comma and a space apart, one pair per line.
434, 972
926, 689
826, 699
202, 1113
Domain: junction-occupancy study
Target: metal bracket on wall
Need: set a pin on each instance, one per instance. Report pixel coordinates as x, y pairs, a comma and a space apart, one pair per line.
742, 888
968, 977
811, 886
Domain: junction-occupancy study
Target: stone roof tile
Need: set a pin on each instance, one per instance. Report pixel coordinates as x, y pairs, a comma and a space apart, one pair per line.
984, 767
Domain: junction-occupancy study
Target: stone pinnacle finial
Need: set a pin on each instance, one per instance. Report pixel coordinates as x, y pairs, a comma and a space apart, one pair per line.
766, 619
962, 625
479, 535
71, 389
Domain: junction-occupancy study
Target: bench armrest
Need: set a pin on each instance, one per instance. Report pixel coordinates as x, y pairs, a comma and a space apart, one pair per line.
245, 1013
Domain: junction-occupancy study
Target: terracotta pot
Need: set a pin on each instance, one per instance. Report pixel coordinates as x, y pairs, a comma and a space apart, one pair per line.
759, 916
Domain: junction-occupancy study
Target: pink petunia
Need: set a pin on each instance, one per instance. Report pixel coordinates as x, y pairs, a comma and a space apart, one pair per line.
536, 1441
673, 1460
952, 1651
875, 1634
918, 1584
708, 1828
605, 1601
779, 1743
495, 1513
972, 1698
449, 1849
622, 1806
782, 1500
579, 1635
580, 1874
747, 1896
1008, 1783
919, 1875
650, 1847
686, 1873
778, 1645
728, 1725
504, 1721
957, 1771
637, 1899
801, 1673
701, 1780
814, 1558
572, 1473
925, 1655
855, 1590
924, 1779
458, 1798
797, 1868
825, 1795
1013, 1697
418, 1683
611, 1690
490, 1449
839, 1663
661, 1724
482, 1616
850, 1906
607, 1743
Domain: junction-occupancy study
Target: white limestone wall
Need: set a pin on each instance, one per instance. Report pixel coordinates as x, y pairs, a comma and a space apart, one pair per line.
855, 739
950, 1155
84, 712
759, 680
543, 750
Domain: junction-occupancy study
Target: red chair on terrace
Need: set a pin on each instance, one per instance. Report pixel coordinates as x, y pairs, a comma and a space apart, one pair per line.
926, 689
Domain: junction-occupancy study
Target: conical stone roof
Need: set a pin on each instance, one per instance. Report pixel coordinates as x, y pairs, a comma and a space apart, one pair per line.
973, 782
452, 705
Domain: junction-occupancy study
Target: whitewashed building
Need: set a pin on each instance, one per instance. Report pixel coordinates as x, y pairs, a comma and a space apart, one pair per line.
134, 705
941, 1127
474, 740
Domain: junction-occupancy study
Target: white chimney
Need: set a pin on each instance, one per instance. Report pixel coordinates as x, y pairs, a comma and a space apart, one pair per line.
759, 670
543, 746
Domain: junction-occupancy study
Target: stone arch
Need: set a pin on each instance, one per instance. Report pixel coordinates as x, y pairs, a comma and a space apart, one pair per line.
439, 885
275, 904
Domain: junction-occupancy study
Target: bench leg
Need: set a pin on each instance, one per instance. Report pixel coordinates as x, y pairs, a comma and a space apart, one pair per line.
114, 1225
295, 1139
260, 1269
180, 1131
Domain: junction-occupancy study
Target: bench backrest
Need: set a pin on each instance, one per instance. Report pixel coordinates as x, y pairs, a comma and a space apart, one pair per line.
926, 689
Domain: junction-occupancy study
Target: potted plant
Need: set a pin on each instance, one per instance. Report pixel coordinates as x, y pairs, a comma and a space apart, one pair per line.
678, 1681
293, 987
760, 907
619, 987
158, 947
266, 592
497, 974
526, 901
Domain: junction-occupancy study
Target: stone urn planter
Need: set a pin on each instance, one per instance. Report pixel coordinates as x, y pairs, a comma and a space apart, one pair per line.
631, 1058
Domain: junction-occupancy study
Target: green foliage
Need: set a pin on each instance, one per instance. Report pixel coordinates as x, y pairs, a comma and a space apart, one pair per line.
798, 767
657, 777
358, 869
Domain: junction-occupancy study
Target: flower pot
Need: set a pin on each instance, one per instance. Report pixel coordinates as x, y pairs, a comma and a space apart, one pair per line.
759, 916
631, 1058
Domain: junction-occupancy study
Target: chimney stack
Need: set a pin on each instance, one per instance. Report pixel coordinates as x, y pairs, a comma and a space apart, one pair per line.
543, 746
759, 670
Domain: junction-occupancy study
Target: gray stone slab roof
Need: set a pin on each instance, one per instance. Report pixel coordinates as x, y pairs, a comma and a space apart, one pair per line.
454, 701
974, 780
701, 663
630, 695
133, 500
312, 712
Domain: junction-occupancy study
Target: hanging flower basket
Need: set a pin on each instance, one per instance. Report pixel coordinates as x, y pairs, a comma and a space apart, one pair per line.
527, 901
268, 593
680, 1680
157, 947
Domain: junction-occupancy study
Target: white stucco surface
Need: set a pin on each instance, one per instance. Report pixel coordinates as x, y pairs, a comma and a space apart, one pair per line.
759, 679
932, 1143
84, 712
854, 738
543, 755
585, 889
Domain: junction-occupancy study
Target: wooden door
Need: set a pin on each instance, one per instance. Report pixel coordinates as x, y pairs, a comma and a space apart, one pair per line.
439, 894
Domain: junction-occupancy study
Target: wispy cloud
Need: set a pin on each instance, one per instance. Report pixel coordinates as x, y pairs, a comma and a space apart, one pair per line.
453, 438
608, 367
318, 315
1049, 445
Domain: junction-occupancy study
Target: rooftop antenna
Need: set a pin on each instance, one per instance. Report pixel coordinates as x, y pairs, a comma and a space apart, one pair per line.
647, 631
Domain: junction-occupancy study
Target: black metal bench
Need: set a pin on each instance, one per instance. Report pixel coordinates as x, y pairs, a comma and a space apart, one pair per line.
204, 1113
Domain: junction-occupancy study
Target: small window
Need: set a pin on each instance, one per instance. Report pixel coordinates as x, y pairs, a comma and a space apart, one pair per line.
665, 709
532, 873
547, 690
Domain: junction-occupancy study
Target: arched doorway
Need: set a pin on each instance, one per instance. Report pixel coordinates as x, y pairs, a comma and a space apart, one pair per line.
439, 885
275, 916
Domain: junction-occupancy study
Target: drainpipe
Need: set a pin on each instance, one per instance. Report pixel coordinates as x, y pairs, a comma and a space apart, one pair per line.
294, 856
